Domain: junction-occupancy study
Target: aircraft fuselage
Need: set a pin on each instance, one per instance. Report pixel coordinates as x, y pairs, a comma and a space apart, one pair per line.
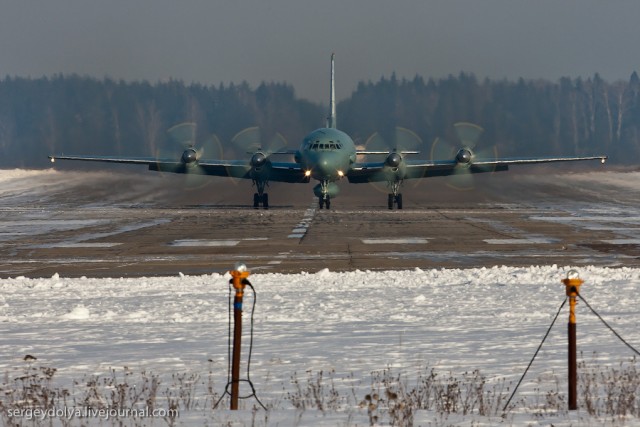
326, 154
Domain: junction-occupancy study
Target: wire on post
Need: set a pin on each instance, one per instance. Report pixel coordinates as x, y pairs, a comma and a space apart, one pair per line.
238, 283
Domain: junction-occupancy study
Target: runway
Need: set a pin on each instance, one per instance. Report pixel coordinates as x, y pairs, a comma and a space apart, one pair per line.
130, 223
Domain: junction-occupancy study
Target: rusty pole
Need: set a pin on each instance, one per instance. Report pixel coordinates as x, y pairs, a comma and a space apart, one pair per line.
238, 278
572, 284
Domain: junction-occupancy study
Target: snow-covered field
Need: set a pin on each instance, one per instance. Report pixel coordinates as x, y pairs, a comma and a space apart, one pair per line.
323, 342
345, 325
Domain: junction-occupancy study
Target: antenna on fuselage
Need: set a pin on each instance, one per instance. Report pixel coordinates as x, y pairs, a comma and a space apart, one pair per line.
331, 120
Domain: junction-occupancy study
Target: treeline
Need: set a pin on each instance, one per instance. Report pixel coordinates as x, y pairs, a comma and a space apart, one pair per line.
522, 118
80, 115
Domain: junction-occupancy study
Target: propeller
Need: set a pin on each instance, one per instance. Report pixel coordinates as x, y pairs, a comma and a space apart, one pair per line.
401, 140
250, 141
184, 134
464, 152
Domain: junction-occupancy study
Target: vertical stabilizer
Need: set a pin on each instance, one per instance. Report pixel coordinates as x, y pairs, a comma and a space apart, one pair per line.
331, 120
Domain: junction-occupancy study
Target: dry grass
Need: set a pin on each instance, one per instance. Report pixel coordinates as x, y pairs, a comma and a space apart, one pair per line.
605, 393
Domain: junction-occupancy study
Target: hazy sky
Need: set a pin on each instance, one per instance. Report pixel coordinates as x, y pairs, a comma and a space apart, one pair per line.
213, 41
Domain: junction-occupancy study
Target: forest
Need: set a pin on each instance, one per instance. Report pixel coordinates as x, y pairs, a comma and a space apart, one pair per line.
73, 114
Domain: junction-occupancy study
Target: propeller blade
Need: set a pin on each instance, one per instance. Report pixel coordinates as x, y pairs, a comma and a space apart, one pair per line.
468, 133
403, 139
211, 148
276, 143
407, 140
183, 133
442, 149
248, 140
462, 178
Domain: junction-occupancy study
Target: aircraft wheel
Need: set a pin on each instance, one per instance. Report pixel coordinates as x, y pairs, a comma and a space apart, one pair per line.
256, 200
390, 201
265, 201
328, 202
321, 202
399, 200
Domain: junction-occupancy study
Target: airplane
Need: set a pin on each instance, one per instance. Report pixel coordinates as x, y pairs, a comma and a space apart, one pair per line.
328, 155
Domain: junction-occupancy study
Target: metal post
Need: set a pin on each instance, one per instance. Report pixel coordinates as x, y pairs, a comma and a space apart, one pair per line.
238, 276
572, 283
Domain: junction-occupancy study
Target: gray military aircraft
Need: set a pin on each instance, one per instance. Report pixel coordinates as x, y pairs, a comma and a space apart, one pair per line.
328, 155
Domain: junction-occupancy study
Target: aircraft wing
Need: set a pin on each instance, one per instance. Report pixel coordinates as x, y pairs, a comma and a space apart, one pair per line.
370, 171
279, 172
107, 159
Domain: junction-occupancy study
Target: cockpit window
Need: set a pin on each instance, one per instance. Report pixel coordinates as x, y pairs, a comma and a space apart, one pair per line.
330, 145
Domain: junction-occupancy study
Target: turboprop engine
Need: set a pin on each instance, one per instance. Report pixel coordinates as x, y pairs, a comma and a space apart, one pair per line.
393, 160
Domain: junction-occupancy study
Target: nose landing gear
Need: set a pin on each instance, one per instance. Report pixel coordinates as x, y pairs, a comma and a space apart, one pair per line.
324, 201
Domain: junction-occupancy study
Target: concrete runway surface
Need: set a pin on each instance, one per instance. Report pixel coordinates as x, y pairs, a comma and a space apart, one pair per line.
127, 222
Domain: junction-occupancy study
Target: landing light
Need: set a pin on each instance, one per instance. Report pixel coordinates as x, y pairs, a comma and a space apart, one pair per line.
53, 159
340, 174
307, 173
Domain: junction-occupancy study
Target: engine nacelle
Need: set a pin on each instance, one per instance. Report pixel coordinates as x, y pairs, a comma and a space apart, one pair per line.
393, 160
464, 156
332, 190
258, 160
189, 156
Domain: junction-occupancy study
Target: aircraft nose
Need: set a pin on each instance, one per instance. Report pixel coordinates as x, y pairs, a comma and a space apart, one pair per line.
325, 166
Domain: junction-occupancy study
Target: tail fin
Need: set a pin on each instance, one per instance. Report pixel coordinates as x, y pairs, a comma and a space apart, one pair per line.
331, 120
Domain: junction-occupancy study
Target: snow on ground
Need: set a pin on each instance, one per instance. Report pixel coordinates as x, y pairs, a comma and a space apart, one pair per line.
345, 325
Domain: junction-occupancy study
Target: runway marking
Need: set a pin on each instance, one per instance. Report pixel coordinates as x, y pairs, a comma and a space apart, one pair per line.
78, 245
596, 219
622, 241
301, 228
218, 242
202, 242
396, 241
531, 240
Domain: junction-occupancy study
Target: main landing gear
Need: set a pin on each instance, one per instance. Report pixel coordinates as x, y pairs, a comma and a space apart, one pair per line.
324, 201
260, 198
395, 197
397, 200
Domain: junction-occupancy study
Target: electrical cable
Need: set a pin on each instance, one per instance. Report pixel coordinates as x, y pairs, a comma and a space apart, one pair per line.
610, 328
535, 355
